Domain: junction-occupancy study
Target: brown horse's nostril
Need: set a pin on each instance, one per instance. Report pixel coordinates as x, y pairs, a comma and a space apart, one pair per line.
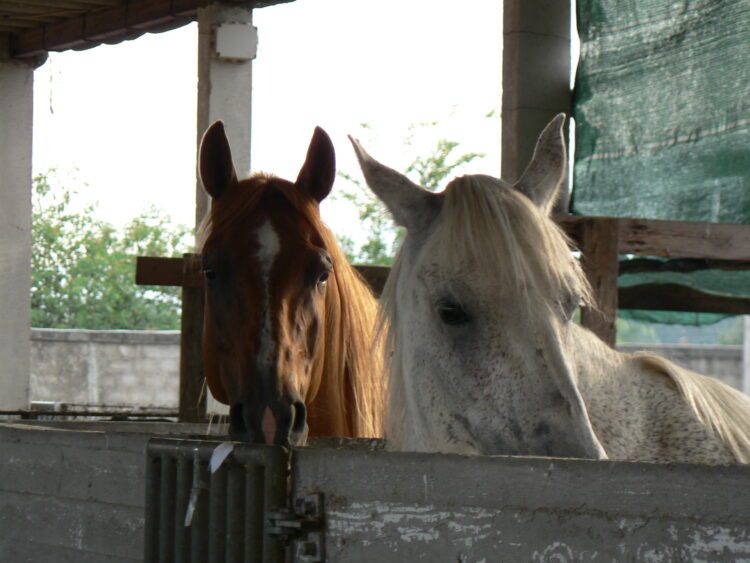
237, 428
299, 426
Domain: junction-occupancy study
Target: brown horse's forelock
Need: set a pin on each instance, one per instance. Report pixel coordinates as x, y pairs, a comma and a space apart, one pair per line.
243, 200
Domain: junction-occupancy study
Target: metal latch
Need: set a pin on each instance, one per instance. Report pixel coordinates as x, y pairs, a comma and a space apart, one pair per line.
301, 527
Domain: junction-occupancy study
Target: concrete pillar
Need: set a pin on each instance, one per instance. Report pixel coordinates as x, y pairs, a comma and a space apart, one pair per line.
227, 43
536, 75
16, 118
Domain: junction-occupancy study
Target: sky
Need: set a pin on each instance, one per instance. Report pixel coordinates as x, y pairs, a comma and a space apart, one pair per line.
118, 122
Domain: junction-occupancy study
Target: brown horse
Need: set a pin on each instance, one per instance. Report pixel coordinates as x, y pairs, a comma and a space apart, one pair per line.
289, 325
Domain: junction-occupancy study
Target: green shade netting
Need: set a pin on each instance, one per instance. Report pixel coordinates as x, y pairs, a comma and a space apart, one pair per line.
662, 111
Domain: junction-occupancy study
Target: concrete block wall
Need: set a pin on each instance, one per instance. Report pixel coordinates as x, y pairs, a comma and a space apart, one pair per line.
141, 368
105, 367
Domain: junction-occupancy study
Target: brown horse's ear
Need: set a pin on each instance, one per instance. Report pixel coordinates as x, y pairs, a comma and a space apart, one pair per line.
215, 157
319, 170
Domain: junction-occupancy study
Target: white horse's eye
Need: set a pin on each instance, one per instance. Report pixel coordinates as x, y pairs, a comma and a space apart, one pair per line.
452, 313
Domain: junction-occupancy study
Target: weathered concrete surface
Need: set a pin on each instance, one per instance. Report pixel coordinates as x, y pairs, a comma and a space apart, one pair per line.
105, 367
16, 114
75, 491
423, 507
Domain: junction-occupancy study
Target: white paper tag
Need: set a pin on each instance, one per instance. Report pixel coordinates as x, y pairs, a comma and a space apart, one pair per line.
220, 455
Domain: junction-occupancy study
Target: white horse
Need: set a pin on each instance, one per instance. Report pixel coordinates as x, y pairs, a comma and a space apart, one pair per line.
485, 357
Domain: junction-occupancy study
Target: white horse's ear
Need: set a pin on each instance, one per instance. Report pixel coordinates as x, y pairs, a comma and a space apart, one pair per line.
548, 168
411, 205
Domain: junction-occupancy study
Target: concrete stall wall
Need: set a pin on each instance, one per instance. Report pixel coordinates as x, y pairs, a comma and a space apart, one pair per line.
384, 506
76, 492
142, 367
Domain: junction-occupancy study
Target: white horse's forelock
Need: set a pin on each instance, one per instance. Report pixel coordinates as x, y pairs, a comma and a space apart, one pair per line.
510, 239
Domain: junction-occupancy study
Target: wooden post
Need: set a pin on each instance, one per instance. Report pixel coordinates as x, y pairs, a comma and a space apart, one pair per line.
192, 380
183, 272
599, 245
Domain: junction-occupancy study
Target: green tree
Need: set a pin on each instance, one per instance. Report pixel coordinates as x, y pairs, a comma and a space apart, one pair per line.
83, 268
383, 238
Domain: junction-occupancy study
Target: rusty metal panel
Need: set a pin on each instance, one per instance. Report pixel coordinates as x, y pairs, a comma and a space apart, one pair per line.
196, 515
384, 506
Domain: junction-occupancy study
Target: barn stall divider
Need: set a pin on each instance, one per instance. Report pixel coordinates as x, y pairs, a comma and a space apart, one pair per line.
79, 491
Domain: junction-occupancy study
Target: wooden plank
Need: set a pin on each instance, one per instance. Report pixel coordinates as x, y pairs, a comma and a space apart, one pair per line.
599, 244
375, 276
674, 297
675, 239
682, 265
192, 407
150, 270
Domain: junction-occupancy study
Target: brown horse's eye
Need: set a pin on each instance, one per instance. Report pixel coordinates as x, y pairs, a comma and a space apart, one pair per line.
209, 273
324, 278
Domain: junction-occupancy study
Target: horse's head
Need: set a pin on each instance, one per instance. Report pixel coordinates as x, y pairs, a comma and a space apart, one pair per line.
478, 300
266, 267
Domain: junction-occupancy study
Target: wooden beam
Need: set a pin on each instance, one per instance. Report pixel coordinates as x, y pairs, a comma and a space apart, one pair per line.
375, 276
681, 265
151, 270
599, 244
674, 239
674, 297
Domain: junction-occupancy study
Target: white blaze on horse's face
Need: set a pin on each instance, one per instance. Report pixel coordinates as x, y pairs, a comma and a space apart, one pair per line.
475, 370
268, 249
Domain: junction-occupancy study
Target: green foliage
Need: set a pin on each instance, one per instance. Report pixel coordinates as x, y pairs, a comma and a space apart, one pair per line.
83, 268
383, 237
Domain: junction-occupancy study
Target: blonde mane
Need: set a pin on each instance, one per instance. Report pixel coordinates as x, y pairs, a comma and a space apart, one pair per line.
486, 222
352, 353
347, 368
723, 410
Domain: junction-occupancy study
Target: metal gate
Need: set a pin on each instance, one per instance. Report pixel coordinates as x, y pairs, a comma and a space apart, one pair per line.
194, 514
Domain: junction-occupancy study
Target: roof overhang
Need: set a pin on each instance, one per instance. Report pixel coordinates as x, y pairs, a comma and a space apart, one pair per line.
36, 27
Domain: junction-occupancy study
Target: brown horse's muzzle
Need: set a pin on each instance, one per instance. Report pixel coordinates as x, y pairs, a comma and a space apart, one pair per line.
281, 422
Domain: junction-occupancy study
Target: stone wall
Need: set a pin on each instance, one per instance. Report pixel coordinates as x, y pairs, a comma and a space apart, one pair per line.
141, 368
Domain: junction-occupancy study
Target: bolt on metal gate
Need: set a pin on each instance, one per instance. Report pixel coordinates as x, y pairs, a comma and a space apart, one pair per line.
196, 515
